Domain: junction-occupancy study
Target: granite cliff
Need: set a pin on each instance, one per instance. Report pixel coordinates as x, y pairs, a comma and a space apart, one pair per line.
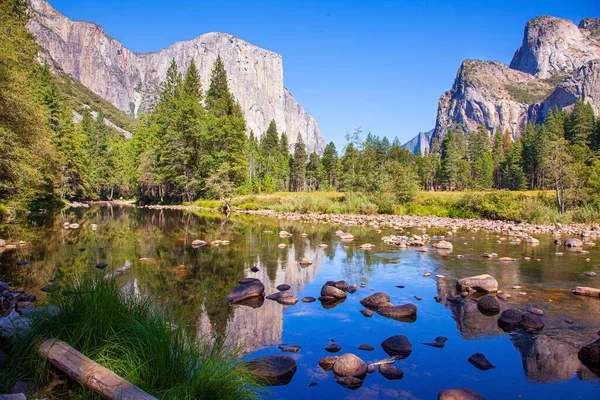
130, 81
557, 64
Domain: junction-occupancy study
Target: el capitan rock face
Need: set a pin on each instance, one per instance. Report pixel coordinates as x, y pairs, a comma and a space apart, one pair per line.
557, 64
130, 81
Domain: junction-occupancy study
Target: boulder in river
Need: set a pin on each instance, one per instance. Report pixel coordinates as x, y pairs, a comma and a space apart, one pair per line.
333, 347
327, 362
590, 354
373, 300
480, 362
332, 291
403, 312
350, 365
352, 288
278, 295
366, 312
273, 370
573, 242
397, 345
390, 372
531, 322
198, 243
459, 394
488, 305
287, 300
342, 285
510, 318
308, 299
246, 291
480, 283
283, 287
443, 245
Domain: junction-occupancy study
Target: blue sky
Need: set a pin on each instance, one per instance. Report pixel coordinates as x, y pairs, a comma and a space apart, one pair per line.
381, 65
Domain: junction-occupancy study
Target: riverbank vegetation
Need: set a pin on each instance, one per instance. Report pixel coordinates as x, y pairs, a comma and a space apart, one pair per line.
128, 335
193, 147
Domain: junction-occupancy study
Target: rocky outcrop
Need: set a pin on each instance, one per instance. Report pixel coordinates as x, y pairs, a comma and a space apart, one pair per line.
583, 84
420, 142
554, 46
490, 94
557, 64
130, 81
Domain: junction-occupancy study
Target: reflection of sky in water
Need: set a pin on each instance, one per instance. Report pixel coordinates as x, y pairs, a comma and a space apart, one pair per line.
194, 282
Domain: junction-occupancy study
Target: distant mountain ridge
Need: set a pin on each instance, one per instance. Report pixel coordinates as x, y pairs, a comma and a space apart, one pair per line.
131, 81
420, 142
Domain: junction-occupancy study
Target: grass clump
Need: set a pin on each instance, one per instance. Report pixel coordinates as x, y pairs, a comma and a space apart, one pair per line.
128, 335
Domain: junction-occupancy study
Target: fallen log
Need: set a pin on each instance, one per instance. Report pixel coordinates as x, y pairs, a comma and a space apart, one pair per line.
89, 373
586, 291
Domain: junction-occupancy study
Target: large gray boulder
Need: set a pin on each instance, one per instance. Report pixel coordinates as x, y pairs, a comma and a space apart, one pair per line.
273, 370
480, 283
459, 394
349, 365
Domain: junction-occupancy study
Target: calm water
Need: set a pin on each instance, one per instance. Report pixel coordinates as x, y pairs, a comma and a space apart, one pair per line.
194, 283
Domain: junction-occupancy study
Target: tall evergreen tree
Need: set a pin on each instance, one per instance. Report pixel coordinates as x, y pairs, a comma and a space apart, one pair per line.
330, 164
299, 165
191, 83
450, 159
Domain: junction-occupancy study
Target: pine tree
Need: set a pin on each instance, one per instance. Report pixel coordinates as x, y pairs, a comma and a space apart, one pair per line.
479, 143
580, 126
74, 158
299, 165
170, 84
513, 177
191, 83
330, 164
312, 171
498, 157
450, 159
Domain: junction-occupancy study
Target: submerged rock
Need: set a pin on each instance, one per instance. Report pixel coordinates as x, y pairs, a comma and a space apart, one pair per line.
287, 300
283, 287
366, 312
308, 299
273, 370
390, 372
333, 348
290, 349
510, 317
573, 242
480, 362
365, 347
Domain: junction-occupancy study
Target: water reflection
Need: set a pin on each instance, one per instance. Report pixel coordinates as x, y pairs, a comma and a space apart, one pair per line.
150, 251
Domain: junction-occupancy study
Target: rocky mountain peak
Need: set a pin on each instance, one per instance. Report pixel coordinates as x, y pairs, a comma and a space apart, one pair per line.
590, 24
554, 46
131, 80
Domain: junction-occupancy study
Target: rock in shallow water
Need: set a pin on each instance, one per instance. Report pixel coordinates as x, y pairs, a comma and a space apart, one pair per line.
273, 370
332, 291
480, 361
374, 300
308, 299
365, 347
488, 305
404, 312
390, 372
327, 362
246, 291
397, 345
438, 342
333, 348
590, 354
283, 287
366, 312
350, 365
481, 283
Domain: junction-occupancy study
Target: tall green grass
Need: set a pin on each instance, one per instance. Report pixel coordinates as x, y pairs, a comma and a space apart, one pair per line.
129, 336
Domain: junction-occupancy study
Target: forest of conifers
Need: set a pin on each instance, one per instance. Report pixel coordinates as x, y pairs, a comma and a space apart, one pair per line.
194, 145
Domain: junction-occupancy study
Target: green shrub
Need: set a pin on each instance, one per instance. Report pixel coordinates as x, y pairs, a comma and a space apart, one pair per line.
126, 334
537, 211
586, 214
386, 202
357, 203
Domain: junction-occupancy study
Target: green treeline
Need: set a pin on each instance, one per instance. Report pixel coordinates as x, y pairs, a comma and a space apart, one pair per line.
194, 145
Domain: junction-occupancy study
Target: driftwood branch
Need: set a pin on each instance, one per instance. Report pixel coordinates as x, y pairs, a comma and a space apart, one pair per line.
89, 373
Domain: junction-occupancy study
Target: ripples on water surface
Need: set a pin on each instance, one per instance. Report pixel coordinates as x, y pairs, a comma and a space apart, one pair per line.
194, 283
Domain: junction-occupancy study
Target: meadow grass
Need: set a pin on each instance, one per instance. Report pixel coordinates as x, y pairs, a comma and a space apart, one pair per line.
128, 335
534, 206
